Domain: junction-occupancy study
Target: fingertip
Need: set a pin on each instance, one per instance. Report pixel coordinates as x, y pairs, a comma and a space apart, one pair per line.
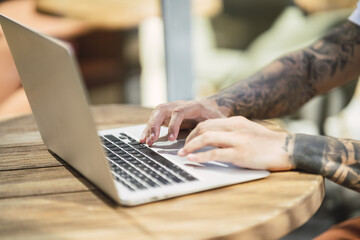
174, 125
151, 139
181, 152
148, 142
171, 137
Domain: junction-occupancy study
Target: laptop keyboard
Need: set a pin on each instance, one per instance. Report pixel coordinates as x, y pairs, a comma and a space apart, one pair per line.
138, 167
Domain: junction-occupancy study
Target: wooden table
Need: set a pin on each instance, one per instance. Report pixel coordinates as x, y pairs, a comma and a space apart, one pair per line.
43, 198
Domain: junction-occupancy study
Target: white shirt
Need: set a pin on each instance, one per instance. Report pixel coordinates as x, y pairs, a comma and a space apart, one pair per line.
355, 16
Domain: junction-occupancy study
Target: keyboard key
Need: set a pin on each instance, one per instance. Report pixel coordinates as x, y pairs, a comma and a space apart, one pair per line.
120, 161
127, 177
123, 183
111, 138
163, 161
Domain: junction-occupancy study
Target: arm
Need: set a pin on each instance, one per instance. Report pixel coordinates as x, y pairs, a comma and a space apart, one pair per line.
279, 89
251, 145
335, 159
286, 84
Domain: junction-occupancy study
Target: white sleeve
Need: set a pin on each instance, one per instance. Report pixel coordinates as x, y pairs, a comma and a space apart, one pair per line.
355, 16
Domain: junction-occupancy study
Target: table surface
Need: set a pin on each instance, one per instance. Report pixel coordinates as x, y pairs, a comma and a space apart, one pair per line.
43, 198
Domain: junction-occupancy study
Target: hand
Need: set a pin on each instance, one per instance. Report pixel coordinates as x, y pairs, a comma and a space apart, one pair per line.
179, 115
242, 142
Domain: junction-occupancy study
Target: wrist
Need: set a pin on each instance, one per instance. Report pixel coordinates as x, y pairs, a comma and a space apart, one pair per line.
217, 102
307, 152
289, 146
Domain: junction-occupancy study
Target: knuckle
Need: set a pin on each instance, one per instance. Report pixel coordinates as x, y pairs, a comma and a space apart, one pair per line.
161, 107
173, 127
200, 105
241, 118
178, 109
238, 120
207, 136
180, 102
153, 129
202, 127
213, 154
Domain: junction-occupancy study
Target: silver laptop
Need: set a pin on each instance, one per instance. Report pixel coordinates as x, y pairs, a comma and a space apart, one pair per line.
128, 172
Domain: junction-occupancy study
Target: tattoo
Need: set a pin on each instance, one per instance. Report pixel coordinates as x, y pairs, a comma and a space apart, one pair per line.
286, 84
335, 159
287, 142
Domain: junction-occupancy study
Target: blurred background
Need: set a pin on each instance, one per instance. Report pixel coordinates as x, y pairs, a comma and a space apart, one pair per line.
120, 49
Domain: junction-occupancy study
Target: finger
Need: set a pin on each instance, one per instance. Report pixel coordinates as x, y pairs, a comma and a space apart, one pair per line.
177, 117
223, 155
215, 139
144, 134
209, 125
189, 112
199, 129
152, 130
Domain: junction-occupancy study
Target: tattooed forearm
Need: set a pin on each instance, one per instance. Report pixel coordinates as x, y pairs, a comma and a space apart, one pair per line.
286, 84
335, 159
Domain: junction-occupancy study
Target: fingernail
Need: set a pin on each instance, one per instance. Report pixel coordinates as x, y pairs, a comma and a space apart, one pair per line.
150, 139
172, 137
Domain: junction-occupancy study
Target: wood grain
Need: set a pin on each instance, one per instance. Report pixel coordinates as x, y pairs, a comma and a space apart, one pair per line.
40, 181
25, 157
80, 215
12, 131
43, 198
263, 209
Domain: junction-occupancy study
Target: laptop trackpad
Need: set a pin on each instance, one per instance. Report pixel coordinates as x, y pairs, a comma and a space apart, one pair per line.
170, 149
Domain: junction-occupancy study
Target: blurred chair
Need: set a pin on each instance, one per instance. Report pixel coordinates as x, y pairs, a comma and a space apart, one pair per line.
13, 101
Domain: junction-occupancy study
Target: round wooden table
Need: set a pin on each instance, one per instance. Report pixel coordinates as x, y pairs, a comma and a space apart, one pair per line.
43, 198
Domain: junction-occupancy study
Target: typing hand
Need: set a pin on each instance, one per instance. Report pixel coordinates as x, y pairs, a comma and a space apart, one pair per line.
179, 115
242, 142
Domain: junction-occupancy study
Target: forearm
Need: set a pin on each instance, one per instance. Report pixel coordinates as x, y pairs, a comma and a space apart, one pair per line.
335, 159
276, 90
286, 84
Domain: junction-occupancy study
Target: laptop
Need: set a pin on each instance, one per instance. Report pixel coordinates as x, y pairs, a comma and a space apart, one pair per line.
128, 172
